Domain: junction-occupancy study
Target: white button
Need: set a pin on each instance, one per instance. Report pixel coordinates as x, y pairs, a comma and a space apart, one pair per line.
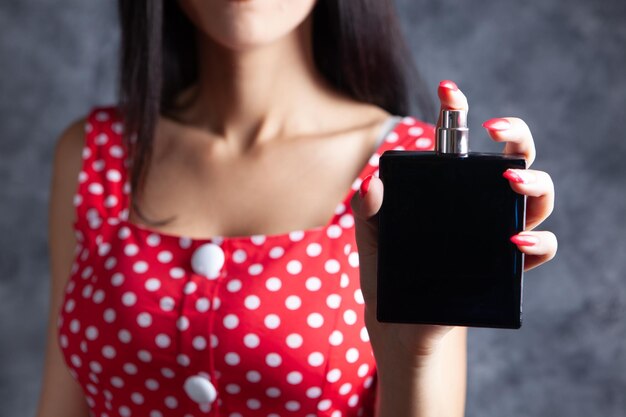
208, 260
200, 389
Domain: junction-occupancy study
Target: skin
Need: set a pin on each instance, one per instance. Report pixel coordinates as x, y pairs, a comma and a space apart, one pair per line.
265, 123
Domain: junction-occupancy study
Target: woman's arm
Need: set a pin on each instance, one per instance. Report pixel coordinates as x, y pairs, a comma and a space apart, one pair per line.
61, 395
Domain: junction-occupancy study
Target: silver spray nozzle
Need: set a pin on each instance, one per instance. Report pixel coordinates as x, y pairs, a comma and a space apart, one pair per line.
453, 135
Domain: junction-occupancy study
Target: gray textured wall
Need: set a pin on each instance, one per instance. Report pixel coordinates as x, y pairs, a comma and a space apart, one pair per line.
559, 65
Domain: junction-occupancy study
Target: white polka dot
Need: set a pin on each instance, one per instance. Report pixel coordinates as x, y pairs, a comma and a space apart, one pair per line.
352, 355
165, 256
373, 161
95, 367
276, 252
333, 375
171, 402
296, 235
129, 298
315, 320
168, 373
113, 175
108, 351
137, 398
251, 340
313, 249
346, 221
292, 405
130, 368
272, 321
144, 355
233, 389
253, 404
123, 233
152, 384
152, 284
335, 338
294, 340
109, 315
162, 340
353, 259
131, 249
272, 392
166, 303
104, 248
184, 242
316, 359
140, 267
183, 360
255, 269
91, 333
332, 266
124, 335
273, 360
364, 335
203, 304
239, 256
253, 376
423, 143
231, 321
96, 188
98, 296
345, 280
354, 400
323, 405
334, 231
273, 284
313, 284
199, 342
182, 323
76, 361
74, 326
144, 319
415, 131
392, 137
190, 287
294, 377
252, 302
177, 272
153, 239
333, 301
293, 302
345, 388
314, 392
233, 285
363, 369
117, 279
350, 317
294, 267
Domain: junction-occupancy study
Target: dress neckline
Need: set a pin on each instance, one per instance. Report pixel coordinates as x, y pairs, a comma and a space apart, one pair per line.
390, 126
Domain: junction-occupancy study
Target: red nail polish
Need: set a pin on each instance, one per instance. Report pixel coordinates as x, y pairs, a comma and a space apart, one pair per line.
450, 85
365, 185
513, 176
497, 124
522, 240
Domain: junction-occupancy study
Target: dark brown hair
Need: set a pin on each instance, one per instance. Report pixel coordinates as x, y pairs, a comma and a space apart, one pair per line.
357, 45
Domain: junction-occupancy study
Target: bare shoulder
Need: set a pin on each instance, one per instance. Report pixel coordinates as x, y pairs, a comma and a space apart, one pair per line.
60, 393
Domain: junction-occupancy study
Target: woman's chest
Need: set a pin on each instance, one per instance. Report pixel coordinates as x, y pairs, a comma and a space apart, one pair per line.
265, 320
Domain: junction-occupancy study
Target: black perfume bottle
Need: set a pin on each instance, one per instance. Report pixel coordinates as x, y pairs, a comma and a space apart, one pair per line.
444, 254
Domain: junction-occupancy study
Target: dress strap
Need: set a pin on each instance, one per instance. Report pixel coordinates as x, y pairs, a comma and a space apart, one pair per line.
102, 184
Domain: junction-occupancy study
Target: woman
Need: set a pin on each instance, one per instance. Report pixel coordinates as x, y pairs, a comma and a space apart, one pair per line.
195, 270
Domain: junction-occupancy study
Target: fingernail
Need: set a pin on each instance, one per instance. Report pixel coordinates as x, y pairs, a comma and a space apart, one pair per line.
450, 85
497, 124
518, 176
524, 240
365, 185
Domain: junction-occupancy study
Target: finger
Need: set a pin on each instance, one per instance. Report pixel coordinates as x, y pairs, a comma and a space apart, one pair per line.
538, 247
516, 133
451, 98
538, 186
365, 211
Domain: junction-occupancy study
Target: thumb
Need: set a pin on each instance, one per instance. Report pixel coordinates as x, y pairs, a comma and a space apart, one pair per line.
365, 209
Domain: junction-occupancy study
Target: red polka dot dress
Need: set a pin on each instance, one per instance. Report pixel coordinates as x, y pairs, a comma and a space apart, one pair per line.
155, 324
